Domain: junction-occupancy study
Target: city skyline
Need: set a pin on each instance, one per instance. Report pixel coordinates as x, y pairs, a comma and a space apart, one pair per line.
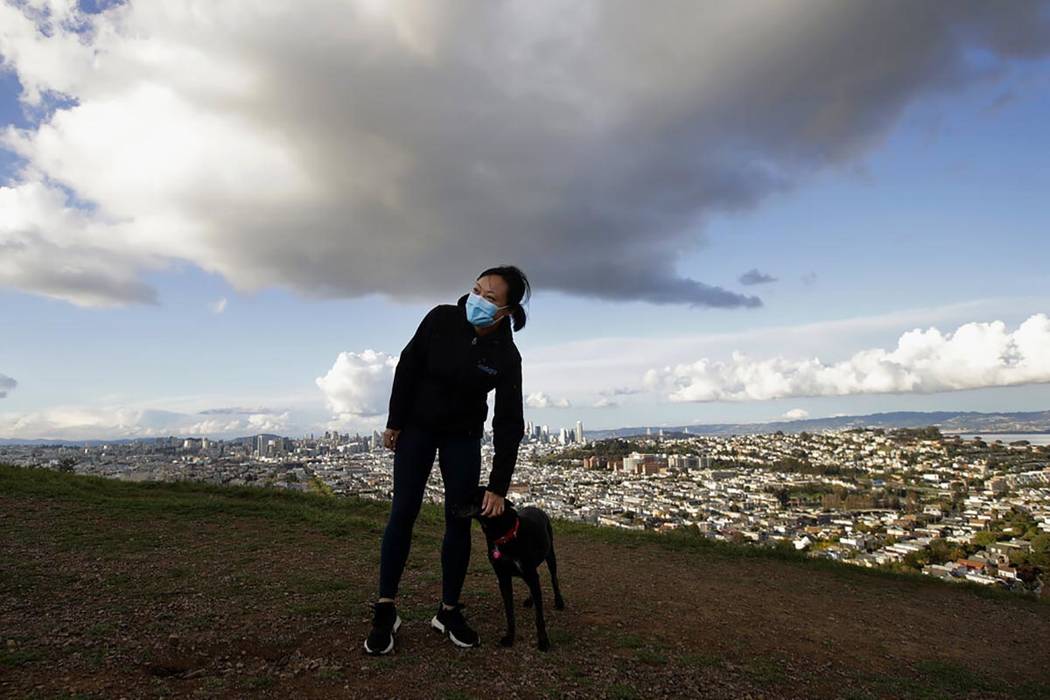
198, 238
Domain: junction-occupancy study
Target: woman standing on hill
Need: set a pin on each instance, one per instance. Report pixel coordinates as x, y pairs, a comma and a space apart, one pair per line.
459, 353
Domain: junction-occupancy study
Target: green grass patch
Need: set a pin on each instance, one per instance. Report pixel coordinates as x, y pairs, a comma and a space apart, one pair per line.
699, 660
182, 501
622, 691
765, 671
629, 641
257, 682
688, 540
13, 658
935, 679
559, 635
652, 657
456, 694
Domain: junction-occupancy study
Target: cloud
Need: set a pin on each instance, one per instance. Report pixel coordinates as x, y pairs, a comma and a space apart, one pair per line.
235, 410
796, 414
117, 422
622, 391
267, 423
539, 399
359, 384
51, 248
217, 307
753, 276
809, 279
975, 356
605, 402
7, 384
322, 146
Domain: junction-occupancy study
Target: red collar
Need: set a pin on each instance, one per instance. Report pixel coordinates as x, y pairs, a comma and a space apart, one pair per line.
511, 534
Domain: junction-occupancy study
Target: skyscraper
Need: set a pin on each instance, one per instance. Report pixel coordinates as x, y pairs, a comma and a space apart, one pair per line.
579, 431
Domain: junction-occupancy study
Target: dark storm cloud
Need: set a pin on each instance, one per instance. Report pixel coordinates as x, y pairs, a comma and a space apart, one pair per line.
585, 142
6, 385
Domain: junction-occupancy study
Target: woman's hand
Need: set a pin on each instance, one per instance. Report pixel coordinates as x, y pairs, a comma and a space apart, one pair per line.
491, 504
390, 438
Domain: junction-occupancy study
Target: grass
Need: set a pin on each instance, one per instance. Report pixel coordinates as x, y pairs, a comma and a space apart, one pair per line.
10, 658
116, 511
691, 541
622, 691
199, 502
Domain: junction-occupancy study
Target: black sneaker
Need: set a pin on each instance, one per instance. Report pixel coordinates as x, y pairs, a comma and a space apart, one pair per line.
452, 625
385, 622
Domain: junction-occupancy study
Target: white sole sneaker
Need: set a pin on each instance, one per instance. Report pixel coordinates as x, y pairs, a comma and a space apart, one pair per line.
390, 647
436, 624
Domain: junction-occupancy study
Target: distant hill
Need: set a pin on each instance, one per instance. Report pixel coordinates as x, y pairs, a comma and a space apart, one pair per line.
117, 589
125, 441
947, 421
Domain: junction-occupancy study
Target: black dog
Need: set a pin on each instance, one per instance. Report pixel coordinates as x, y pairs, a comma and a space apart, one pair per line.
518, 541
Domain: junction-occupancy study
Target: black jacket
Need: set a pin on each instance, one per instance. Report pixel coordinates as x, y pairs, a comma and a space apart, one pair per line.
444, 375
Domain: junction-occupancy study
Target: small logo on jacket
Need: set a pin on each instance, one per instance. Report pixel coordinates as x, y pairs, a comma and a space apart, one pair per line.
489, 370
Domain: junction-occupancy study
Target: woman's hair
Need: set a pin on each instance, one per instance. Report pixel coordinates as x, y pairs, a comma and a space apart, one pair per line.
518, 290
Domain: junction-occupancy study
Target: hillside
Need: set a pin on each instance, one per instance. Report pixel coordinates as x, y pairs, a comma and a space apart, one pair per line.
111, 589
947, 421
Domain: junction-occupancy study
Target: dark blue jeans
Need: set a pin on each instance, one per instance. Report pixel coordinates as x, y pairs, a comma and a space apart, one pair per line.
459, 458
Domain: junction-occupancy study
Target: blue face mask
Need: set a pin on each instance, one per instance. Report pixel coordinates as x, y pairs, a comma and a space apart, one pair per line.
481, 311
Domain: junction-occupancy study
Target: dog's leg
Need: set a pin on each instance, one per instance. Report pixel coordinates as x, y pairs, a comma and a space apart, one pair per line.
506, 589
552, 565
532, 578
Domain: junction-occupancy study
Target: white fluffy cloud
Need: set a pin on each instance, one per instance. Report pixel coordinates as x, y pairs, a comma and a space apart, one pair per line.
111, 422
6, 385
796, 414
976, 355
358, 384
268, 423
322, 145
539, 399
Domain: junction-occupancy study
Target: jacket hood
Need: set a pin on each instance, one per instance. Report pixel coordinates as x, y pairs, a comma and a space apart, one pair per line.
503, 332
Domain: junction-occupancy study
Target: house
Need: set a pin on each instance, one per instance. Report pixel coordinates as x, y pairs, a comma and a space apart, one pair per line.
978, 565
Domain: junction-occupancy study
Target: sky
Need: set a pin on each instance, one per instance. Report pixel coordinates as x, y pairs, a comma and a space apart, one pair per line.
223, 220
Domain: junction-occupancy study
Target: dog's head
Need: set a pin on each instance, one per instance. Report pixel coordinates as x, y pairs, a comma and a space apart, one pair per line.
471, 508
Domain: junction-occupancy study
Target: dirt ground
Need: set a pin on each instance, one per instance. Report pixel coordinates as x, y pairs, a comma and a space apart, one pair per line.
97, 604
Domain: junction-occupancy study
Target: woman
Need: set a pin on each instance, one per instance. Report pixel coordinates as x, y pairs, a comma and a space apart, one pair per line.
458, 354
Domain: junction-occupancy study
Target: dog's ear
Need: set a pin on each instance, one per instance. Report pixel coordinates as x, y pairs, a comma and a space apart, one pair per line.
466, 510
469, 508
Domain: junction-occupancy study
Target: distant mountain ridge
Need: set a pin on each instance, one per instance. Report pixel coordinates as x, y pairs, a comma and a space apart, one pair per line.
947, 421
124, 441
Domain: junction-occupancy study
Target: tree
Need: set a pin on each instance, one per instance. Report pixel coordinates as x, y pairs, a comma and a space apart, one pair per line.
916, 560
986, 537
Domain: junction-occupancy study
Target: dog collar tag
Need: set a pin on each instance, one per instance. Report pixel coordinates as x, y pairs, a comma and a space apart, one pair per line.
496, 553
